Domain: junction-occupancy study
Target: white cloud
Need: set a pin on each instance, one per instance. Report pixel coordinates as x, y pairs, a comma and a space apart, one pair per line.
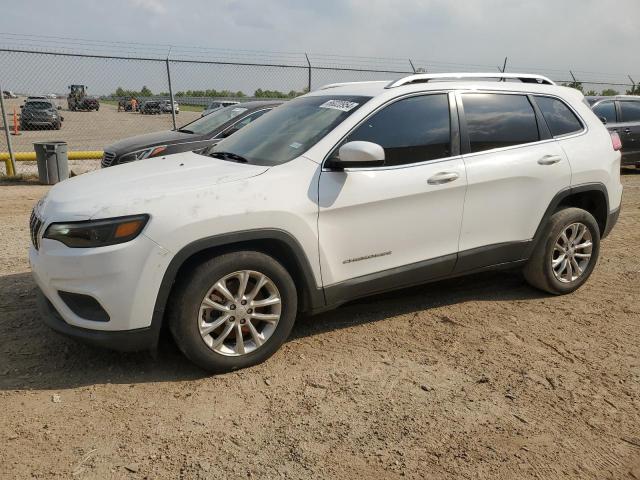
157, 7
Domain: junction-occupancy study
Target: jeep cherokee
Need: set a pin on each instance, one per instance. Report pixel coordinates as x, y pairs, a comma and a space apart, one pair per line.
347, 191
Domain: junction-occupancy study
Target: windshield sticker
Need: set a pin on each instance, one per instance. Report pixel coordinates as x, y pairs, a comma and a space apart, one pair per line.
342, 105
295, 145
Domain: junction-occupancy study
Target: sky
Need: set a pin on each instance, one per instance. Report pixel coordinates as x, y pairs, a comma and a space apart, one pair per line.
598, 39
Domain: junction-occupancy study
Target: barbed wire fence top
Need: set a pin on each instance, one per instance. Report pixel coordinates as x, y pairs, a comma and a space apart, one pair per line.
113, 73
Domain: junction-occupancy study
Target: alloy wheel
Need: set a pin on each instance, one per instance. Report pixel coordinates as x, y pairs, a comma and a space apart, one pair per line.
239, 313
572, 252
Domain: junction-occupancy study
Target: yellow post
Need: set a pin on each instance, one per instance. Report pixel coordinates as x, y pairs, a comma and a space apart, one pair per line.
8, 167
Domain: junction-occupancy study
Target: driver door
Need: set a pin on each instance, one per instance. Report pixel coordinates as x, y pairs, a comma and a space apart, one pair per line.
399, 224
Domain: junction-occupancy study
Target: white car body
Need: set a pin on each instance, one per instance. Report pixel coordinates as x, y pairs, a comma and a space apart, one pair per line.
348, 225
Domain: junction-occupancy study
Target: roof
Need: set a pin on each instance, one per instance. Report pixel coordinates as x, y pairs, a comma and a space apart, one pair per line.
596, 98
451, 81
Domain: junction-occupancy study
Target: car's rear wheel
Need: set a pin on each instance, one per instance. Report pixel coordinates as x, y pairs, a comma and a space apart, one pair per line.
233, 311
566, 254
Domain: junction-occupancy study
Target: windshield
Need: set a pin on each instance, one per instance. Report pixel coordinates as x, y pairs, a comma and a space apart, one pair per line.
213, 121
38, 105
290, 129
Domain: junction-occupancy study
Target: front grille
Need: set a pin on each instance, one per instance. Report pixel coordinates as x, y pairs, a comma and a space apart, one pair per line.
35, 224
107, 159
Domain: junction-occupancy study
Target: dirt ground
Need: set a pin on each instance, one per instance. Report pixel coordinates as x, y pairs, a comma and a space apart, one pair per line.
480, 377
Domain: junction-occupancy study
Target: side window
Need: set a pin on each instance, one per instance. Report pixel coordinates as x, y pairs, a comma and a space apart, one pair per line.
630, 111
411, 130
497, 120
606, 110
244, 122
560, 119
247, 120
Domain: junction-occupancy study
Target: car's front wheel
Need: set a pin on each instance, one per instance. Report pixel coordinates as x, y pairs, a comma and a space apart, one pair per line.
233, 311
566, 254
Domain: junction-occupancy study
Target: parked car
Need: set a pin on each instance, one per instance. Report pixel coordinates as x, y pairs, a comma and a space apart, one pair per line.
621, 114
166, 106
8, 94
217, 105
348, 191
150, 107
40, 114
195, 135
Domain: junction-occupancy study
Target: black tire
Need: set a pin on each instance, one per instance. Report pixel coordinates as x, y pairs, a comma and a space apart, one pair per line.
190, 290
539, 271
57, 125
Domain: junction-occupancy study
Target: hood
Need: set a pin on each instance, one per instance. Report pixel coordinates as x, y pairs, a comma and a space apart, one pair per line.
165, 137
130, 188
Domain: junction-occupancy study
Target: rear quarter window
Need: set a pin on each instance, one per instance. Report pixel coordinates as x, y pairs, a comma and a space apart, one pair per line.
560, 119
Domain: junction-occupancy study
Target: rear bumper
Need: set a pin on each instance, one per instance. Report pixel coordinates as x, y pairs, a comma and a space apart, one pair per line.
612, 219
123, 340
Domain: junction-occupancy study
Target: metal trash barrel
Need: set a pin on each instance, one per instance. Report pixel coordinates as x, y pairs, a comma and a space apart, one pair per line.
53, 163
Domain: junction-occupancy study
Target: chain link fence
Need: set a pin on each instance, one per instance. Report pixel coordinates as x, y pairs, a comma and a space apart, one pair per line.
114, 81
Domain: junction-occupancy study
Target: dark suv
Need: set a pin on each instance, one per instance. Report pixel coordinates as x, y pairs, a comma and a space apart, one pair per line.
40, 114
621, 114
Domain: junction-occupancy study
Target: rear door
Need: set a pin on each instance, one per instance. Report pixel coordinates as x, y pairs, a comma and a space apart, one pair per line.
629, 129
514, 169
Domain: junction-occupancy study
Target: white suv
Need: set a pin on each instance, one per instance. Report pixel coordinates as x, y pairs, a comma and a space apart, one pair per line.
347, 191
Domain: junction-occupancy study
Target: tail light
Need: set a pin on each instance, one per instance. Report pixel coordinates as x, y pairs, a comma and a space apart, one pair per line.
615, 141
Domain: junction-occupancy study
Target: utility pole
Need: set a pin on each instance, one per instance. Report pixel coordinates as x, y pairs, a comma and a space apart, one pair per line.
10, 171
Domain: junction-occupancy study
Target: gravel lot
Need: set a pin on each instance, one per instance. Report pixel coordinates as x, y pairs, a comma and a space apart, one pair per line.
481, 377
88, 130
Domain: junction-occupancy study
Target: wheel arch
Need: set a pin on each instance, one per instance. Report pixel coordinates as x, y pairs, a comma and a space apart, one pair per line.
592, 197
276, 243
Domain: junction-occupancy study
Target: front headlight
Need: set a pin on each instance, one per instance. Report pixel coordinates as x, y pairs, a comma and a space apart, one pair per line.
97, 233
142, 154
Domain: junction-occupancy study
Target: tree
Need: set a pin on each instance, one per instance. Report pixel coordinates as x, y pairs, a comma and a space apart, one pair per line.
145, 92
635, 90
609, 92
575, 84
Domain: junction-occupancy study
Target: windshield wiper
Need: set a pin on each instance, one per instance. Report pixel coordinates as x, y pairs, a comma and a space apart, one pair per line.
229, 156
184, 130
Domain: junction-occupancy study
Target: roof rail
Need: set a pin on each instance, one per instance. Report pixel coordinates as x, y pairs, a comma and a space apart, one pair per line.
334, 85
427, 77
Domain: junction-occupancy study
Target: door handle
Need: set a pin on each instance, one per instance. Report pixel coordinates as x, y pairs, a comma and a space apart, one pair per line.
549, 159
443, 177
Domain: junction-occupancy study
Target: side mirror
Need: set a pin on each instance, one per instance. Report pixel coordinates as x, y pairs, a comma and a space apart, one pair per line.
358, 154
603, 120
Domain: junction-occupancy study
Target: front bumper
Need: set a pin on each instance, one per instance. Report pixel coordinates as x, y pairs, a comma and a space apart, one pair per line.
122, 340
123, 279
